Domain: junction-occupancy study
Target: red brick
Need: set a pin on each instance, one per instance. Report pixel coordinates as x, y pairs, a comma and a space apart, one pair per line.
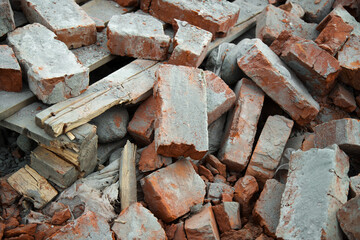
214, 162
349, 218
127, 3
150, 160
343, 98
214, 16
190, 44
267, 207
202, 225
141, 126
206, 172
21, 237
11, 223
22, 229
2, 229
227, 216
333, 35
180, 232
10, 71
293, 8
7, 22
240, 132
352, 6
220, 97
213, 170
45, 230
266, 69
8, 195
60, 217
264, 237
170, 192
180, 94
217, 190
137, 35
245, 188
309, 142
269, 148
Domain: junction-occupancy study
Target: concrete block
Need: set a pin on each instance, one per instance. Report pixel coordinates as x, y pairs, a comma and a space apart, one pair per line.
351, 5
137, 35
266, 69
10, 71
65, 18
180, 94
343, 98
315, 11
53, 72
316, 188
241, 126
215, 163
7, 22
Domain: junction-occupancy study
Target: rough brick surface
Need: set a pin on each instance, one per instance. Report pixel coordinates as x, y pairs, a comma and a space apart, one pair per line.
348, 58
316, 188
216, 191
349, 218
314, 66
10, 71
7, 22
202, 225
69, 22
352, 6
180, 94
241, 127
343, 132
272, 21
227, 216
28, 229
137, 35
343, 98
170, 192
214, 16
190, 44
355, 186
334, 34
39, 54
220, 97
293, 8
87, 226
127, 3
8, 195
267, 207
269, 148
150, 160
245, 188
315, 11
137, 222
214, 162
266, 69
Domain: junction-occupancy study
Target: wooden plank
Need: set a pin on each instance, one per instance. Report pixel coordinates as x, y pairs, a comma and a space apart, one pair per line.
129, 84
127, 176
32, 186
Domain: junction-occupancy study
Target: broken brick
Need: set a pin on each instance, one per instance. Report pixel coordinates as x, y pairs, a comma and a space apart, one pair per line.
227, 216
241, 127
314, 66
349, 218
180, 232
220, 97
206, 172
8, 195
2, 229
316, 188
137, 222
267, 207
127, 3
272, 21
10, 71
45, 230
352, 6
11, 223
7, 22
293, 8
180, 94
309, 142
245, 188
269, 148
216, 191
343, 98
333, 35
266, 69
315, 10
22, 229
170, 192
49, 79
355, 186
61, 216
214, 162
78, 30
214, 16
190, 44
202, 225
137, 35
150, 160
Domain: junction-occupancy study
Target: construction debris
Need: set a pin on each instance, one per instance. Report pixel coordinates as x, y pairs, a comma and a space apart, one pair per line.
7, 22
10, 72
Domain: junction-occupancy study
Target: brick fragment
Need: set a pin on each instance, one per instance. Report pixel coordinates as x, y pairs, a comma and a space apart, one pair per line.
240, 132
45, 230
216, 191
314, 66
7, 22
61, 216
220, 97
349, 218
141, 126
272, 21
315, 11
150, 160
22, 229
342, 132
343, 98
309, 142
190, 44
214, 16
76, 31
10, 71
355, 186
333, 34
266, 69
202, 225
206, 172
2, 229
137, 222
269, 148
170, 192
214, 162
8, 195
267, 207
316, 188
49, 79
180, 232
227, 216
352, 6
180, 94
348, 57
245, 188
127, 3
293, 8
137, 35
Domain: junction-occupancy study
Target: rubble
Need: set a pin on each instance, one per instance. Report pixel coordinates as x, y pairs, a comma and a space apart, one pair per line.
293, 8
348, 217
315, 11
343, 98
150, 160
10, 71
215, 163
78, 30
227, 216
245, 188
355, 186
7, 22
215, 191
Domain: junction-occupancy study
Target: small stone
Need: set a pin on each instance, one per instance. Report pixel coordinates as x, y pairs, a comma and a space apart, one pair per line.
227, 216
349, 218
10, 71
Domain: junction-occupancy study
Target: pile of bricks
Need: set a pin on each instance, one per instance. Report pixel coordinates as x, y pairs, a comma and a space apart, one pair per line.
256, 139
